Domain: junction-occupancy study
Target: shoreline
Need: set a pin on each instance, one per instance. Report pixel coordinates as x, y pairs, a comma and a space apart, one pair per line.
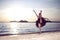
30, 33
33, 36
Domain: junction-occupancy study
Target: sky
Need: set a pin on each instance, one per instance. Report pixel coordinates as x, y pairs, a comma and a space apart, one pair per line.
23, 9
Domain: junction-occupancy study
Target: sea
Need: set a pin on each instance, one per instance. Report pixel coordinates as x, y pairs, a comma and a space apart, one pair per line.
22, 27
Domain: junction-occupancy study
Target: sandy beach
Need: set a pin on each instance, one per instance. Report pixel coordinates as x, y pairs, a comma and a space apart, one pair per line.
33, 36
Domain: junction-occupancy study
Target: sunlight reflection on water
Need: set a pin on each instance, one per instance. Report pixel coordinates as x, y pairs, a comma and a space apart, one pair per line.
13, 28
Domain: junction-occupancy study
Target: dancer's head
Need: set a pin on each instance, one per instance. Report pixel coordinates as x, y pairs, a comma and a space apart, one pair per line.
40, 11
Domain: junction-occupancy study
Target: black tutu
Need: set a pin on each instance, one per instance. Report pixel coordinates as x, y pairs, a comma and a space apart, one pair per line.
43, 22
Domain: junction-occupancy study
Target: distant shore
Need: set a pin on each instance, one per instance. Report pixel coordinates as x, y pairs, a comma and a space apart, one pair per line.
28, 21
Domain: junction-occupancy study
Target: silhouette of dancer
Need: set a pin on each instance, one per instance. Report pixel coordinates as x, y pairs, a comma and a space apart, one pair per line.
40, 20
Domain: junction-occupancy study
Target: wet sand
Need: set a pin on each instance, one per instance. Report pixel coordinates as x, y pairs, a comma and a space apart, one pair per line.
33, 36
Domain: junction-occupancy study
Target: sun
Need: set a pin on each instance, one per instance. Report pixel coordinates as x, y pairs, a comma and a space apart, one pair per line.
18, 13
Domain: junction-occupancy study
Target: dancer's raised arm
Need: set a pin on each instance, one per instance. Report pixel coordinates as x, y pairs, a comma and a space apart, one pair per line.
35, 13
